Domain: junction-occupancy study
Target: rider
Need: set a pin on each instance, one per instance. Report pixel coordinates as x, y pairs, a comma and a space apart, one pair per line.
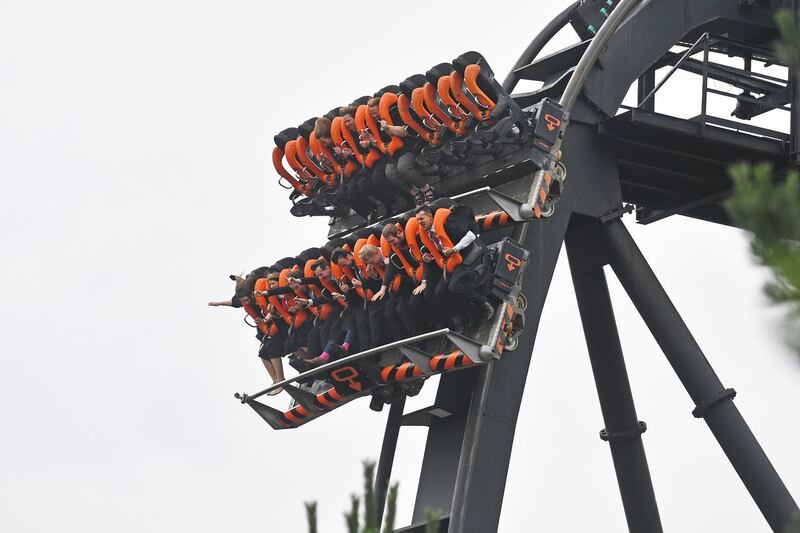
268, 331
402, 169
349, 193
352, 290
358, 287
457, 228
396, 308
412, 270
343, 328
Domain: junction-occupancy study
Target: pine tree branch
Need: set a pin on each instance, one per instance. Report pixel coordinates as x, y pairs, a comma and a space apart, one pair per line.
351, 518
433, 518
311, 516
370, 515
391, 509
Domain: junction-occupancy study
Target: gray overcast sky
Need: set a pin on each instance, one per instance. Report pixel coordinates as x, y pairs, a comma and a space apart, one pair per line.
135, 175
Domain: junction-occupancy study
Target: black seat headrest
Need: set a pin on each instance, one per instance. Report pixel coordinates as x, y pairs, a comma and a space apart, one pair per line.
363, 233
333, 113
401, 219
330, 246
473, 58
361, 100
306, 128
388, 89
350, 239
309, 253
289, 134
412, 82
286, 262
259, 272
442, 69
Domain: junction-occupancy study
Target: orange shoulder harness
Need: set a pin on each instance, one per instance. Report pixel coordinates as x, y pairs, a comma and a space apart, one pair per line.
389, 100
303, 187
404, 108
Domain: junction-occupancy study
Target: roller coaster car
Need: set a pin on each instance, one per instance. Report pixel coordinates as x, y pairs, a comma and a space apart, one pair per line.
400, 368
459, 112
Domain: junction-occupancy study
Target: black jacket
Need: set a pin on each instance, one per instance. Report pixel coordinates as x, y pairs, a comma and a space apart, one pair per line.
459, 223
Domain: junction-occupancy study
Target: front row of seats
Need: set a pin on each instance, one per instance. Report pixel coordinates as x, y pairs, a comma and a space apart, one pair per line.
379, 153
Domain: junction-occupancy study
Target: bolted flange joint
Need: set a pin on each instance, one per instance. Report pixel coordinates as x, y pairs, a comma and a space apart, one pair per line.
628, 434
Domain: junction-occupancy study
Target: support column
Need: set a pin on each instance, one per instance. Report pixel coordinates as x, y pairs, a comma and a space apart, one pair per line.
489, 428
714, 402
445, 436
623, 431
646, 85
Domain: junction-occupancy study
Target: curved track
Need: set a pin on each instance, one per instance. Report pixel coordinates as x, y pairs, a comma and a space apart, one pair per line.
664, 166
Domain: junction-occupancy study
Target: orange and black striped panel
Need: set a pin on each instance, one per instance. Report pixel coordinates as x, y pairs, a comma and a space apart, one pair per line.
454, 359
438, 363
325, 401
493, 220
401, 372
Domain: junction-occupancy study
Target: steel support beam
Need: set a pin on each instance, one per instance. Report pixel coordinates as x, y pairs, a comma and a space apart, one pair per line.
623, 431
445, 435
646, 85
714, 402
488, 431
485, 451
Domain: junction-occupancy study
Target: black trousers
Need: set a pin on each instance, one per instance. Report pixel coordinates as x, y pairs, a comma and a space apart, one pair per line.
396, 314
378, 326
439, 299
408, 309
351, 195
321, 332
298, 337
357, 317
424, 317
374, 184
461, 285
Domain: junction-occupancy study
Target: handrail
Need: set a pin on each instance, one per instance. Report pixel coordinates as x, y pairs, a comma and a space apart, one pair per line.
674, 68
244, 397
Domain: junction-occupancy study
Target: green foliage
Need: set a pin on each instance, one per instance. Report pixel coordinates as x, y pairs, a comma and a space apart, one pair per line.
770, 210
794, 527
370, 515
788, 47
432, 518
311, 516
769, 207
351, 518
371, 524
391, 509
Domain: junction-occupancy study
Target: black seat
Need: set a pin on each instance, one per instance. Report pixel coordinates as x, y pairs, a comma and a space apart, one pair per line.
289, 134
412, 82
